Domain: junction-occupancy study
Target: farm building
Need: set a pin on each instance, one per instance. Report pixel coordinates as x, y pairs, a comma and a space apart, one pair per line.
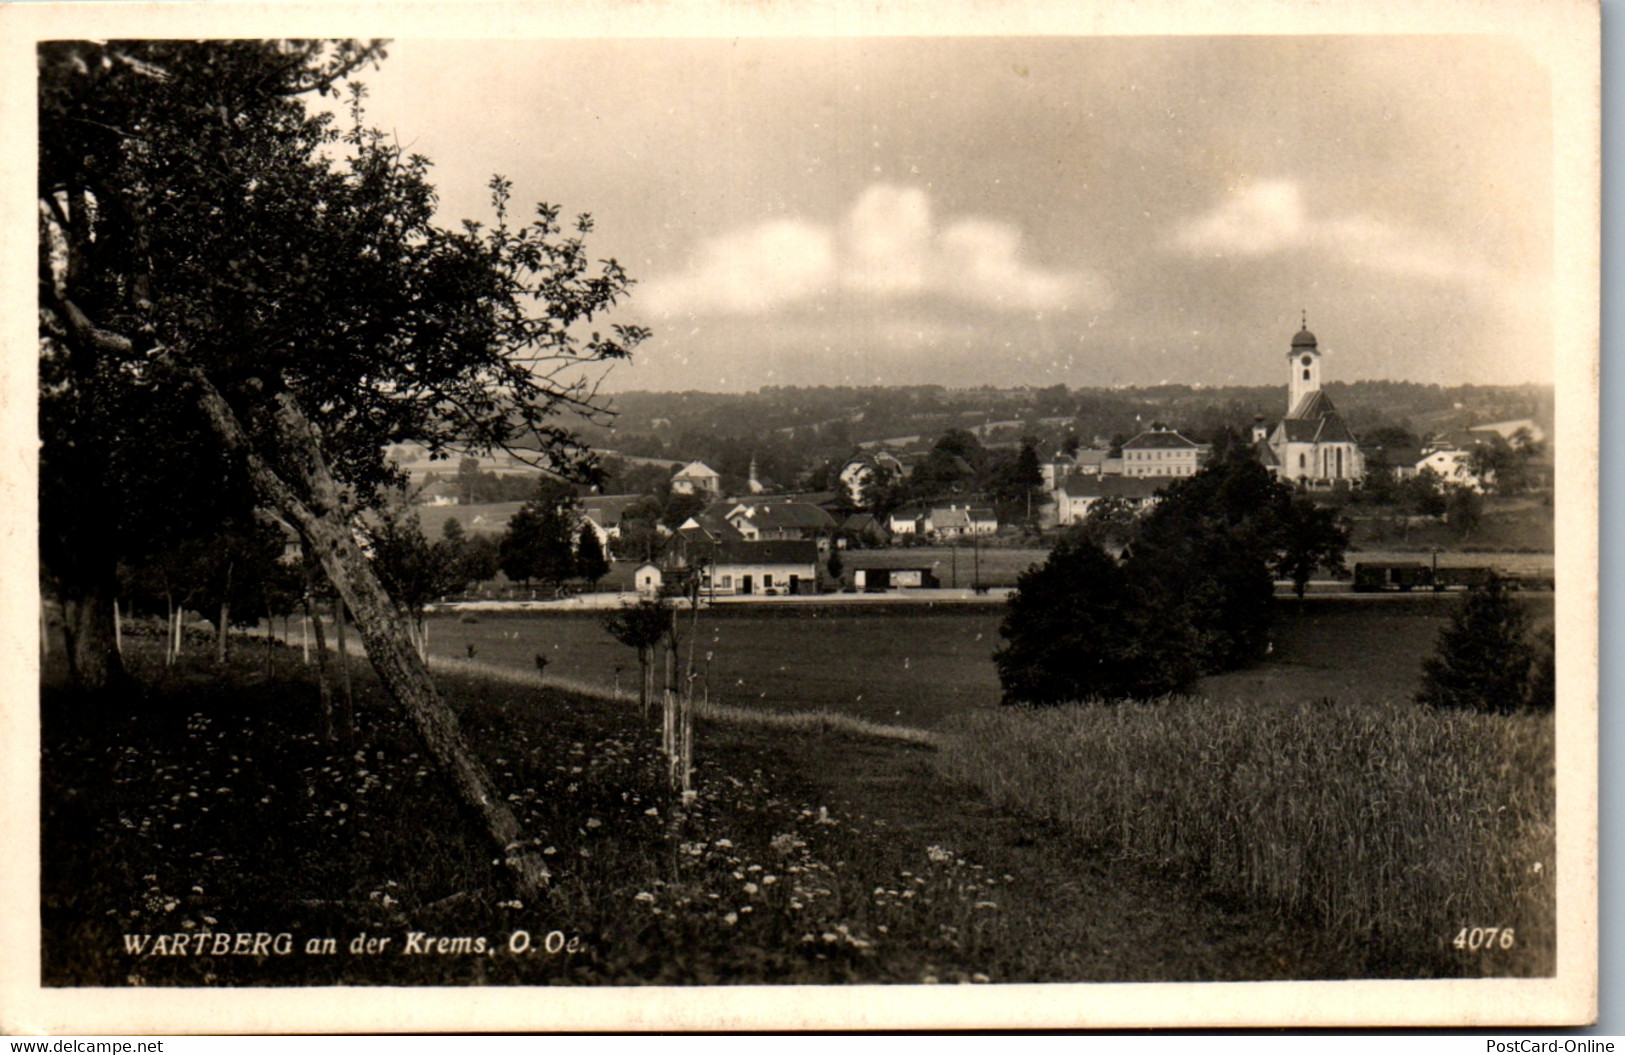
954, 521
647, 580
863, 529
779, 567
769, 521
910, 521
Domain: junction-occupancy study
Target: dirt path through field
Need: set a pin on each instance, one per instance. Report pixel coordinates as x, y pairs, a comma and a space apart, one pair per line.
1074, 914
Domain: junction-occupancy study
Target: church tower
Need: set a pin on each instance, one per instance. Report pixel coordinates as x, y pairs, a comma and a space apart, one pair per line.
1304, 363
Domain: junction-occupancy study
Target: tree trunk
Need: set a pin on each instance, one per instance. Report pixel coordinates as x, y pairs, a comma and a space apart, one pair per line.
90, 638
323, 686
312, 502
346, 722
220, 633
169, 630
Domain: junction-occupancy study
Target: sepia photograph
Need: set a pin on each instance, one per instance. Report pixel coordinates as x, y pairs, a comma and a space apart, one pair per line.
728, 516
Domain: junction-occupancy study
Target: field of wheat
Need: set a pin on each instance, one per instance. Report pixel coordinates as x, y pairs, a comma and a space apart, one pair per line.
1383, 823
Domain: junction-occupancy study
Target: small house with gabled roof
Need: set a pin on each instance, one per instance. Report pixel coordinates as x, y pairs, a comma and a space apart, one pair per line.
1080, 491
697, 478
776, 568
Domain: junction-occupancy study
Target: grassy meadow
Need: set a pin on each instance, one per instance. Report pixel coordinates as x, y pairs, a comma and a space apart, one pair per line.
921, 666
813, 854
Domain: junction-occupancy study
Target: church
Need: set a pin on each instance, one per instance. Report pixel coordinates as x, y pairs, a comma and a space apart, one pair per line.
1310, 446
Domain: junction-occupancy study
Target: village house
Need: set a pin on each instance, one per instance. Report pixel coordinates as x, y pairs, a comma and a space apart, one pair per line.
911, 520
771, 521
862, 529
861, 470
604, 514
771, 569
1079, 492
1402, 462
1160, 451
697, 478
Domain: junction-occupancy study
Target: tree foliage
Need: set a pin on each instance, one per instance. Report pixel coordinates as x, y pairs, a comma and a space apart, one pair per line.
208, 243
591, 564
540, 541
1485, 660
1194, 593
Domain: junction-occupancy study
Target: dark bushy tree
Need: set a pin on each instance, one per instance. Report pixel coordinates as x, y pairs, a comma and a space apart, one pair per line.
1484, 660
1206, 549
1070, 632
591, 564
1312, 538
1194, 594
540, 540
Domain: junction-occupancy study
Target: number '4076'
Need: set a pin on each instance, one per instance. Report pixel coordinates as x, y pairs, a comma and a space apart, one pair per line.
1479, 939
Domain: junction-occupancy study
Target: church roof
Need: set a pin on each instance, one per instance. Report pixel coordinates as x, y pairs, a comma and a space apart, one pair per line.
1304, 339
1315, 420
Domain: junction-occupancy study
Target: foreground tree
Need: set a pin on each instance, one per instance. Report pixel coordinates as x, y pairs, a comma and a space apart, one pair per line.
1066, 632
1485, 660
205, 241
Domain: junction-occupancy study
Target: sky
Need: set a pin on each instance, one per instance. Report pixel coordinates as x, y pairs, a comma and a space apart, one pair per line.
1023, 210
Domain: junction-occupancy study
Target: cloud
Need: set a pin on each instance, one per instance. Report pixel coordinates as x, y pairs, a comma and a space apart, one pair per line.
1268, 217
887, 247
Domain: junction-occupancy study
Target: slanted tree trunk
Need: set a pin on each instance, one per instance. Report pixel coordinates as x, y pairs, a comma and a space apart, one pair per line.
300, 486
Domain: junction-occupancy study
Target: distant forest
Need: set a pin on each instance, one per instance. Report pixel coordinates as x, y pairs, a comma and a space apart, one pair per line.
790, 432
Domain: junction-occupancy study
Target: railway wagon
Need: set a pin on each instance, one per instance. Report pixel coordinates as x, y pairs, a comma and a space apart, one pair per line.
1396, 575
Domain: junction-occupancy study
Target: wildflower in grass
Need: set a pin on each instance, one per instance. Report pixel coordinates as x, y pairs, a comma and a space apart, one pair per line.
980, 977
938, 855
643, 895
594, 822
751, 888
724, 844
652, 812
769, 880
731, 918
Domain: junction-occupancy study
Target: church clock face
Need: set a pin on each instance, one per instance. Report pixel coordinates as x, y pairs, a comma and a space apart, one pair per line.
1307, 360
